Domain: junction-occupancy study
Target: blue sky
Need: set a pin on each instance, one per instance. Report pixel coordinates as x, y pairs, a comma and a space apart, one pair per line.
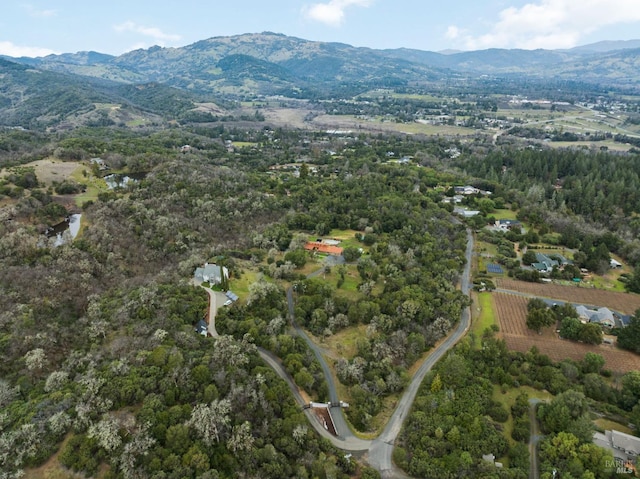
38, 28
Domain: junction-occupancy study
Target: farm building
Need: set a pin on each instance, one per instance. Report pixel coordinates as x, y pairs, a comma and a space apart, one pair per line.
465, 190
545, 264
602, 316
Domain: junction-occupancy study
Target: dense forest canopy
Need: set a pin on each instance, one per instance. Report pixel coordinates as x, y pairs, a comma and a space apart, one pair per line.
101, 361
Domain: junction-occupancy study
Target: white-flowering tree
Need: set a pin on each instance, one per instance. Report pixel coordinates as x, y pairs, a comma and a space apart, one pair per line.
7, 393
107, 433
59, 423
35, 360
56, 381
211, 421
139, 446
276, 325
300, 433
241, 438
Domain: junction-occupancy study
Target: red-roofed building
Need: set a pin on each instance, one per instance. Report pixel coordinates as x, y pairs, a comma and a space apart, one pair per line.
323, 248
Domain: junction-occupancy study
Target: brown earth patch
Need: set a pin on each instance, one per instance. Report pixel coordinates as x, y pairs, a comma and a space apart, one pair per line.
511, 311
626, 303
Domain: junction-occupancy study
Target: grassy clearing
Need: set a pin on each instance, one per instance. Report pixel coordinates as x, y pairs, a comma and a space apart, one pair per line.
610, 145
603, 424
408, 96
343, 344
351, 279
419, 128
240, 286
94, 186
347, 238
244, 144
607, 282
315, 263
487, 248
504, 214
52, 469
508, 399
483, 316
136, 122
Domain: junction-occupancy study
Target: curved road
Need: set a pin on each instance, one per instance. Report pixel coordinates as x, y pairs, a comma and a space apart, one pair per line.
380, 449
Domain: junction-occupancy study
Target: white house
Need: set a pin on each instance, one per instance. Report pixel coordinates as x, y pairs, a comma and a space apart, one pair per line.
613, 264
211, 273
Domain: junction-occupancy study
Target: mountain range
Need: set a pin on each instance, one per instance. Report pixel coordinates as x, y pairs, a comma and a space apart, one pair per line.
270, 63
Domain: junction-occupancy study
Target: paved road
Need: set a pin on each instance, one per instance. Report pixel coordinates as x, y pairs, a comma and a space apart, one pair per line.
214, 298
346, 439
382, 447
534, 470
379, 451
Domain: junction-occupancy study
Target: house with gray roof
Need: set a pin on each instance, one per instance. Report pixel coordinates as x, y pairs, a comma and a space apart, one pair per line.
465, 212
211, 273
546, 260
603, 316
623, 446
202, 327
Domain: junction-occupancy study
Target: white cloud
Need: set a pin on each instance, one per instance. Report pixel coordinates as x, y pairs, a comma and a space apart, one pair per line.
453, 32
158, 35
35, 12
12, 50
333, 12
551, 23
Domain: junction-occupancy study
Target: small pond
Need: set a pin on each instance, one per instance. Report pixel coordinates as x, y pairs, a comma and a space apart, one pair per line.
65, 231
121, 180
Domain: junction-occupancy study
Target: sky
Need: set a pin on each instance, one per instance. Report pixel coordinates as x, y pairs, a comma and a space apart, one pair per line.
39, 28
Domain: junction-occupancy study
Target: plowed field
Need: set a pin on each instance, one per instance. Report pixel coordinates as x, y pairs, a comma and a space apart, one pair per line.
511, 311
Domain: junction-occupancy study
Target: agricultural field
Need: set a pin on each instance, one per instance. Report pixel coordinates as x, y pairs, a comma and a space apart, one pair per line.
511, 311
626, 303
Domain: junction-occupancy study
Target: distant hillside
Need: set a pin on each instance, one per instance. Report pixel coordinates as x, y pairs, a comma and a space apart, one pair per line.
163, 81
35, 98
271, 63
494, 60
607, 46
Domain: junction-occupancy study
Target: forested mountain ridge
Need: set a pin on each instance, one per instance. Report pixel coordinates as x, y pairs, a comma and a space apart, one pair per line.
302, 64
34, 98
90, 88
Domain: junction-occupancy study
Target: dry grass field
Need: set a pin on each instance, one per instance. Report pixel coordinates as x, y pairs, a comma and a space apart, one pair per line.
50, 170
